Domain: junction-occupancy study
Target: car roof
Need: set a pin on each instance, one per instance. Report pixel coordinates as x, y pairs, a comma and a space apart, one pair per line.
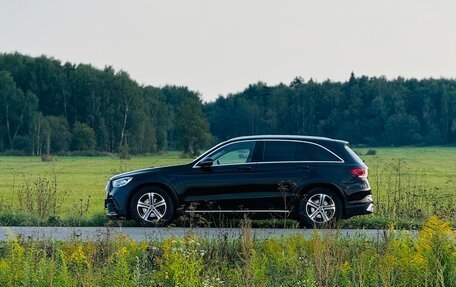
287, 137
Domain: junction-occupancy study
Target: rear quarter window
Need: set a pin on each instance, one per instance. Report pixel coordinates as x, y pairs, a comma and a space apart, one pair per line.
312, 152
354, 155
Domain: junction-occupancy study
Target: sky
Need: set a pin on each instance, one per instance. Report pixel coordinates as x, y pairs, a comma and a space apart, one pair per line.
220, 47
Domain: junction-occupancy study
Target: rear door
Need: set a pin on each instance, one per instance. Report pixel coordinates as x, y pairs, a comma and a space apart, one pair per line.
279, 175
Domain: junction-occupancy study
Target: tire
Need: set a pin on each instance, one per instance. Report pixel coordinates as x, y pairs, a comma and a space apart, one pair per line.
320, 208
160, 213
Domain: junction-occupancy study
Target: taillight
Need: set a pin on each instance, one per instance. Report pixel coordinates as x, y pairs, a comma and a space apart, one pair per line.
360, 172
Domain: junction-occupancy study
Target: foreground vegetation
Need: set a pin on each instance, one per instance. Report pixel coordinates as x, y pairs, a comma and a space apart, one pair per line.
409, 186
396, 259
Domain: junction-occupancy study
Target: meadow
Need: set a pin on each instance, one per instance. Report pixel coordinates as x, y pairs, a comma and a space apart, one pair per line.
409, 184
79, 178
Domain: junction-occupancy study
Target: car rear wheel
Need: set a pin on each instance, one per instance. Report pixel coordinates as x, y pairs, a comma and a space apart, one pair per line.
320, 208
152, 206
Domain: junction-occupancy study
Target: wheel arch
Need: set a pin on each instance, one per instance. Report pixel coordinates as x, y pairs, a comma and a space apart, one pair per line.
161, 185
333, 187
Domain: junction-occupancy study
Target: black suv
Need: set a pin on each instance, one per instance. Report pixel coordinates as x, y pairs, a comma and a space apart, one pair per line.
314, 179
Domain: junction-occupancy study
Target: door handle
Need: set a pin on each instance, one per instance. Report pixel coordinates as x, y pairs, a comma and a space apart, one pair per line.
245, 168
305, 167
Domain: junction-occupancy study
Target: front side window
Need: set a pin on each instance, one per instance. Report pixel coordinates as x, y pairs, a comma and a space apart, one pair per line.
236, 153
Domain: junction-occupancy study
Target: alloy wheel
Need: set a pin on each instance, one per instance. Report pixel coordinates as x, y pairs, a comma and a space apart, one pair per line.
320, 208
151, 207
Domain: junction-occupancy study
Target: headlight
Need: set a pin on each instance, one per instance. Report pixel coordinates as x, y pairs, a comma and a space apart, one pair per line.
121, 181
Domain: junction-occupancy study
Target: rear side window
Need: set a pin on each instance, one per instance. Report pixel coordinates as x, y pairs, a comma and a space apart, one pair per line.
296, 151
279, 151
311, 152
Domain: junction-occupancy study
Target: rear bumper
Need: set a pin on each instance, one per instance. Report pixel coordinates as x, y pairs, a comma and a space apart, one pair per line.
359, 207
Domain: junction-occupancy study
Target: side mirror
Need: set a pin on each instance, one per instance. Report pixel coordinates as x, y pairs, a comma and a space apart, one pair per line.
206, 163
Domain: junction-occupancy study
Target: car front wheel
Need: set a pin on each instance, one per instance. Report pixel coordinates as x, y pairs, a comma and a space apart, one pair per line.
320, 208
152, 206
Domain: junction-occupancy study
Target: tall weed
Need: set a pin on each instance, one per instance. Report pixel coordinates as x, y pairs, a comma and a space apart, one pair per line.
40, 197
405, 193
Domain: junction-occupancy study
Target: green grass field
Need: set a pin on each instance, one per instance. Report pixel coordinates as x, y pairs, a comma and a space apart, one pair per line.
79, 177
437, 164
404, 180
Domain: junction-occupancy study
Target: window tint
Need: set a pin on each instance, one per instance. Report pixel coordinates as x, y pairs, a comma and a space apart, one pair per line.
279, 151
236, 153
311, 152
242, 152
354, 155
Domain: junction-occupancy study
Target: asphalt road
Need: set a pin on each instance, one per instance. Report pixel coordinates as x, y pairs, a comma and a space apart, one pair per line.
156, 234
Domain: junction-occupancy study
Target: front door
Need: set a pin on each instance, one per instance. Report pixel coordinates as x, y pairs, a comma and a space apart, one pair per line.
225, 186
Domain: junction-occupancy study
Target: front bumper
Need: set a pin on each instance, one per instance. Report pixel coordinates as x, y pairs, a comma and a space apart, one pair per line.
110, 205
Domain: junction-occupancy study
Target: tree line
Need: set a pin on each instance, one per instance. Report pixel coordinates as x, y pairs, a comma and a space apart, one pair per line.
47, 106
51, 107
364, 110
